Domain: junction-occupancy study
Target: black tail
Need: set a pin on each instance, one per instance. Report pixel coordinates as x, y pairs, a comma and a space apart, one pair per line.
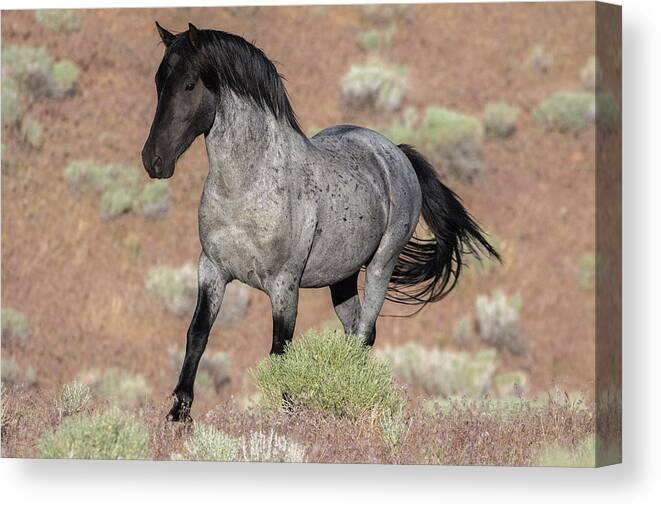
428, 269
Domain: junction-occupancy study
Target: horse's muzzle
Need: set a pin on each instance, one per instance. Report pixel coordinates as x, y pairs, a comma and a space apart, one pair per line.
154, 164
157, 165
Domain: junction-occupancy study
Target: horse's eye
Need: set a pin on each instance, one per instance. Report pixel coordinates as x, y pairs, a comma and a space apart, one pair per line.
190, 86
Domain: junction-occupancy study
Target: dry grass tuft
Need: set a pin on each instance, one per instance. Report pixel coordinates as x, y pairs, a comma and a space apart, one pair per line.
14, 326
74, 398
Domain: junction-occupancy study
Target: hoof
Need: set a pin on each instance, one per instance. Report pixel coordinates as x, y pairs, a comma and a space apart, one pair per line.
180, 411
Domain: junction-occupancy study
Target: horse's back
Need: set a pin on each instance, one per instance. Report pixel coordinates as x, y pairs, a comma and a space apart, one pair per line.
375, 150
369, 151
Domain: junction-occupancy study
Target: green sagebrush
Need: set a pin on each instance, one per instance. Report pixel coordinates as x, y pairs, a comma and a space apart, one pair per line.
111, 435
330, 372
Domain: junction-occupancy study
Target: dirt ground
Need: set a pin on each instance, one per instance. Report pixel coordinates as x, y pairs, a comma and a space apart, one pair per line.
81, 284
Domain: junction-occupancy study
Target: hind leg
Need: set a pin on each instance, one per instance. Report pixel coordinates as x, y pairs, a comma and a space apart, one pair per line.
346, 302
377, 278
379, 271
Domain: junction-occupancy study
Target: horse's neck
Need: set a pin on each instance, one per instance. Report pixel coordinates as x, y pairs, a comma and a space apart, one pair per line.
244, 142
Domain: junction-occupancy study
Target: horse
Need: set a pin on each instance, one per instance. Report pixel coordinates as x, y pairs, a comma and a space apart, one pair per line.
280, 211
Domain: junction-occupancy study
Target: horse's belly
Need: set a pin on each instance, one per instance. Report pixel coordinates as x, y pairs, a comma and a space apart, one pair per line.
343, 246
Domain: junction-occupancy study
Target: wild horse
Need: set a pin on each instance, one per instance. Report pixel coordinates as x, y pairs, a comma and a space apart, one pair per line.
280, 211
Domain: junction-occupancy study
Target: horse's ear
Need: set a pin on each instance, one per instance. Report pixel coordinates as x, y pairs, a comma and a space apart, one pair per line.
193, 36
166, 36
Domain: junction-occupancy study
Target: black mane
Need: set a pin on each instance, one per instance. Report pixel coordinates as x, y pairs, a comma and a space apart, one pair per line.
227, 60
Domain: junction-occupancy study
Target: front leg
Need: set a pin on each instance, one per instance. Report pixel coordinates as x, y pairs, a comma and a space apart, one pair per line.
284, 304
210, 290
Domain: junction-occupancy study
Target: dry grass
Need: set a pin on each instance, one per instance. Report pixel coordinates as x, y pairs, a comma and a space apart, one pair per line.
462, 432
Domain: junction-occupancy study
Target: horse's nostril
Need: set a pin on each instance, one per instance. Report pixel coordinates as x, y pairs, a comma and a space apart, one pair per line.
157, 164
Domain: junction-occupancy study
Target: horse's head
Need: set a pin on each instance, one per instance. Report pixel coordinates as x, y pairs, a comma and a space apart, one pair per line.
186, 105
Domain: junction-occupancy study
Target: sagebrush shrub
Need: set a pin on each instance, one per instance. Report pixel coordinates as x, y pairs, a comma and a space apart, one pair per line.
175, 288
32, 132
214, 369
124, 389
572, 112
500, 119
11, 106
65, 75
329, 372
73, 399
14, 326
116, 201
13, 374
89, 175
58, 20
452, 140
31, 67
236, 303
462, 332
10, 371
271, 448
606, 113
209, 444
119, 187
498, 321
35, 74
218, 367
204, 383
154, 199
455, 140
540, 59
568, 112
110, 435
443, 373
369, 40
374, 84
404, 130
377, 40
394, 429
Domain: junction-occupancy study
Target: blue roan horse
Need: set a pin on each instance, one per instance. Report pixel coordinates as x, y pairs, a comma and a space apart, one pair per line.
280, 211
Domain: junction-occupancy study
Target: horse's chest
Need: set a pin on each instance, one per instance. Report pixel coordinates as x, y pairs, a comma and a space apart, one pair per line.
247, 237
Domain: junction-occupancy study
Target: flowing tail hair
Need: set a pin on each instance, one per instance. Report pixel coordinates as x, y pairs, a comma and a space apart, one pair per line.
428, 269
